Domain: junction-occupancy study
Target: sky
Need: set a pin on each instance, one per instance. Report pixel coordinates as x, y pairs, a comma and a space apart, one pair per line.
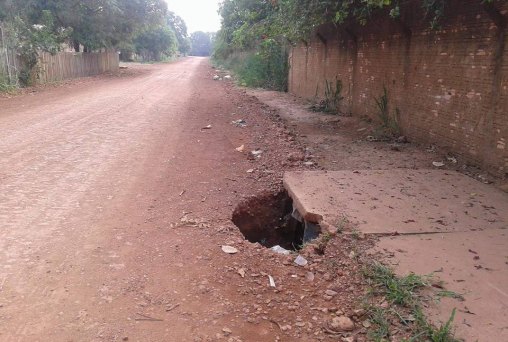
199, 15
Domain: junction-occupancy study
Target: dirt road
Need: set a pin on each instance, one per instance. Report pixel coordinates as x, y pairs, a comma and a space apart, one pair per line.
95, 178
117, 193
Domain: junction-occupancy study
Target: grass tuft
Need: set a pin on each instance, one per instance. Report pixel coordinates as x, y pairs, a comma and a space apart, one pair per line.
403, 292
398, 290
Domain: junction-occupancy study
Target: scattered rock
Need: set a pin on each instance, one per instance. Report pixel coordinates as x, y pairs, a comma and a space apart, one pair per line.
256, 153
250, 171
295, 157
452, 159
366, 324
241, 272
216, 77
227, 77
239, 123
227, 331
279, 250
341, 323
271, 281
207, 127
229, 249
240, 149
301, 261
438, 164
331, 293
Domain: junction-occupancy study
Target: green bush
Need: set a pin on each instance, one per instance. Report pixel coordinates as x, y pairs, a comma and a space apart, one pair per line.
266, 67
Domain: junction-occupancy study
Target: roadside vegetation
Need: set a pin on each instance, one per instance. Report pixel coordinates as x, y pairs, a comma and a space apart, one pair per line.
141, 29
256, 35
402, 302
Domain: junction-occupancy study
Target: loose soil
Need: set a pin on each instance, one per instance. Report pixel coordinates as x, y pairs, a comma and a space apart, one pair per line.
115, 202
117, 194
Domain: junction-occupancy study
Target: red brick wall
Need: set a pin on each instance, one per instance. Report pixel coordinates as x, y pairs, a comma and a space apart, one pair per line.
450, 86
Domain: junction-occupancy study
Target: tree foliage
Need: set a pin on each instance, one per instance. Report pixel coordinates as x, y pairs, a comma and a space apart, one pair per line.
156, 43
88, 25
246, 24
180, 28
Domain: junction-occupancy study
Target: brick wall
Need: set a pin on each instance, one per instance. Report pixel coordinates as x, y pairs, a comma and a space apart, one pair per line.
449, 86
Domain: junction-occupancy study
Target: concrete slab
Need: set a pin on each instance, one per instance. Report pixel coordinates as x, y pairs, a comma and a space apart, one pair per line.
400, 201
449, 225
473, 264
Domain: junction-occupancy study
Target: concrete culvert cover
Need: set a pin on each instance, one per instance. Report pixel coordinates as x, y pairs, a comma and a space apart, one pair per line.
267, 219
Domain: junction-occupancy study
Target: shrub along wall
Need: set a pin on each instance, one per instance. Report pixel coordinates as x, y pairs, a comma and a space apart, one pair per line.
449, 86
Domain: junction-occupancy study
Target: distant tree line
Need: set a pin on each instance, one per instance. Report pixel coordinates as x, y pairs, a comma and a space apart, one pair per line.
202, 43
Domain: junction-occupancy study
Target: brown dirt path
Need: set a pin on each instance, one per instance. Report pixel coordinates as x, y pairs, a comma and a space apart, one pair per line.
95, 177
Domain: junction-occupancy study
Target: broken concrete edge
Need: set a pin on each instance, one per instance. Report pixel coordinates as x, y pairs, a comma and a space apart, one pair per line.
306, 215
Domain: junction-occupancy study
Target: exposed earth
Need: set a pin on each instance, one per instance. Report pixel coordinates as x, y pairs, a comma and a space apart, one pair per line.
116, 201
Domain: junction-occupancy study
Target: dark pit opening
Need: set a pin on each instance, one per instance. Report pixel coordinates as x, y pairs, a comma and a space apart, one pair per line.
270, 219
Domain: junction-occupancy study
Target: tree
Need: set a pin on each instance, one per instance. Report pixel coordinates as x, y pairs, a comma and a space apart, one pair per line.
180, 28
201, 43
156, 43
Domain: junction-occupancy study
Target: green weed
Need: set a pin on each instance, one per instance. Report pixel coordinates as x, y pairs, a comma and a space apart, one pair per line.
398, 290
402, 292
332, 100
449, 294
389, 123
425, 331
267, 67
380, 329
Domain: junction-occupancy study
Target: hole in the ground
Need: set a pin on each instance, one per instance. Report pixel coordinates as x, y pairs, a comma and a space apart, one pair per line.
270, 219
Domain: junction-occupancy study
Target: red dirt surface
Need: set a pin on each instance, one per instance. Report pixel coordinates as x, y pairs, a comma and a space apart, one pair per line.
114, 204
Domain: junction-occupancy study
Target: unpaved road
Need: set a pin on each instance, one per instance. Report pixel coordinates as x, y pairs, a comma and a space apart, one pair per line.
114, 204
93, 177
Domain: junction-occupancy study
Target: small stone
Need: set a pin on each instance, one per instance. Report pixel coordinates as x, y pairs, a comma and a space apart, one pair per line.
295, 156
126, 338
227, 331
229, 249
359, 312
349, 339
342, 323
331, 293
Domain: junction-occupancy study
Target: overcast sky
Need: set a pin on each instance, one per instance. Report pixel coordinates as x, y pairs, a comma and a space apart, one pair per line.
199, 15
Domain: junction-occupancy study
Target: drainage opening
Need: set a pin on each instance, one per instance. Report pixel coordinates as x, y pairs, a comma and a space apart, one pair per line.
271, 220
